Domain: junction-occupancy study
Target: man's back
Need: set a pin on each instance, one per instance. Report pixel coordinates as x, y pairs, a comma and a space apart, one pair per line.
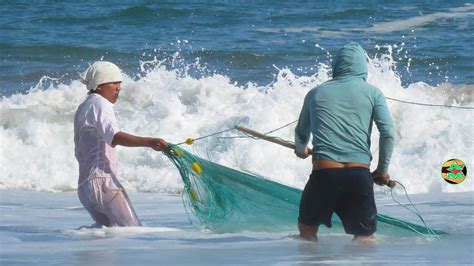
341, 120
339, 113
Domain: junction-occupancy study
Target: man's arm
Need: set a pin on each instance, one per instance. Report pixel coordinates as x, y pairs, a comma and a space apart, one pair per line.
384, 123
128, 140
303, 130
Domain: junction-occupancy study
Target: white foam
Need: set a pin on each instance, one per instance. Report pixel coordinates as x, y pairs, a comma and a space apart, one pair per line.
313, 30
418, 21
106, 232
467, 10
36, 133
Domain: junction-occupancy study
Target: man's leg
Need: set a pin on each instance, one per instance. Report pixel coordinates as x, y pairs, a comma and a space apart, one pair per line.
316, 205
358, 211
308, 232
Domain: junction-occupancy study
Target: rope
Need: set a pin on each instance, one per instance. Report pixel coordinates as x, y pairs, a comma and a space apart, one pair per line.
247, 136
207, 136
430, 231
191, 140
432, 105
274, 130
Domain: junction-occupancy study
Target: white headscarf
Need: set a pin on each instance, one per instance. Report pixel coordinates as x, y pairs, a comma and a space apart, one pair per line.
99, 73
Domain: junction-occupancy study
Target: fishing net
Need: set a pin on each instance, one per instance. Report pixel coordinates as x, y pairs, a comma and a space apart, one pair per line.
225, 200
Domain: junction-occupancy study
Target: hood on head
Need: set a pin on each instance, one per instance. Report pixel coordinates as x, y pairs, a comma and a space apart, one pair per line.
350, 61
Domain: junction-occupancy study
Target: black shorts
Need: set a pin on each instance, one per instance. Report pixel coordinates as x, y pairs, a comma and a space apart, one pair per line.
349, 192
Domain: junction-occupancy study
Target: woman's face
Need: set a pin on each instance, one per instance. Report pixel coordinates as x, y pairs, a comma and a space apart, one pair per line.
109, 91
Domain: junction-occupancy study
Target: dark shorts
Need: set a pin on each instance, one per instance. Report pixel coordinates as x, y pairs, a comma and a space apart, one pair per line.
348, 192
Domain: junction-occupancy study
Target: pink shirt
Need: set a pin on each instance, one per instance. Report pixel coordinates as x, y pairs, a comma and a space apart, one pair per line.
94, 128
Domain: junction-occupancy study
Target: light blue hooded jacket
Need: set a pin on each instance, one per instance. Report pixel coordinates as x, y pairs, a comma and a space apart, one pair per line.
340, 112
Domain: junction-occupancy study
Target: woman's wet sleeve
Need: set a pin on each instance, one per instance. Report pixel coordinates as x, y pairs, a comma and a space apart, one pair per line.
106, 123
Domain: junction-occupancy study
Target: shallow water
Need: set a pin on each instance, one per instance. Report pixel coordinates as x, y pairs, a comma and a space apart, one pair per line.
41, 228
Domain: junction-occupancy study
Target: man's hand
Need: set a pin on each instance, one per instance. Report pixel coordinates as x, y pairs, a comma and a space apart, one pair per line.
303, 155
158, 144
380, 178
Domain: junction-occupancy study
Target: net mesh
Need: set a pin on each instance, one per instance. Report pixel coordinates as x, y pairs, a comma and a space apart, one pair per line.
225, 200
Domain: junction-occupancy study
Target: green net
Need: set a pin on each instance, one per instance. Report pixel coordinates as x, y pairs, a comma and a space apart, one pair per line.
225, 200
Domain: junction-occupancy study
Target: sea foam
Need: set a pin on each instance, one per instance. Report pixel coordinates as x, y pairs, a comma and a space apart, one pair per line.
37, 149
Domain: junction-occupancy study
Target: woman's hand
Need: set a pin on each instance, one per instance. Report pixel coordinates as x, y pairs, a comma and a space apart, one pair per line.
158, 144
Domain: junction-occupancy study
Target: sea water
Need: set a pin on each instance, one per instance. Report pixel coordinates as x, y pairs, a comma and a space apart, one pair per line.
41, 228
193, 69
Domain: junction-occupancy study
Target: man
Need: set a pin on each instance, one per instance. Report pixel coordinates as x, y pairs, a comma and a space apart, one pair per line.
96, 133
339, 115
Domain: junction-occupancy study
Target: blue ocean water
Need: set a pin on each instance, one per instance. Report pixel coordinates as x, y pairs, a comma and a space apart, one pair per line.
243, 40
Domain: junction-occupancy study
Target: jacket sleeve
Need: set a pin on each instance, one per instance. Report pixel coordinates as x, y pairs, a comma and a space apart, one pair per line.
384, 123
303, 128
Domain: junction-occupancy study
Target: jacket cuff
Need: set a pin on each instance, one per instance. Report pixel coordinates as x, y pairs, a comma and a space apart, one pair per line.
300, 147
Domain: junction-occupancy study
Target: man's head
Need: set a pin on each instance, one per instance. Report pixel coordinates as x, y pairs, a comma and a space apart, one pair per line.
103, 78
350, 61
